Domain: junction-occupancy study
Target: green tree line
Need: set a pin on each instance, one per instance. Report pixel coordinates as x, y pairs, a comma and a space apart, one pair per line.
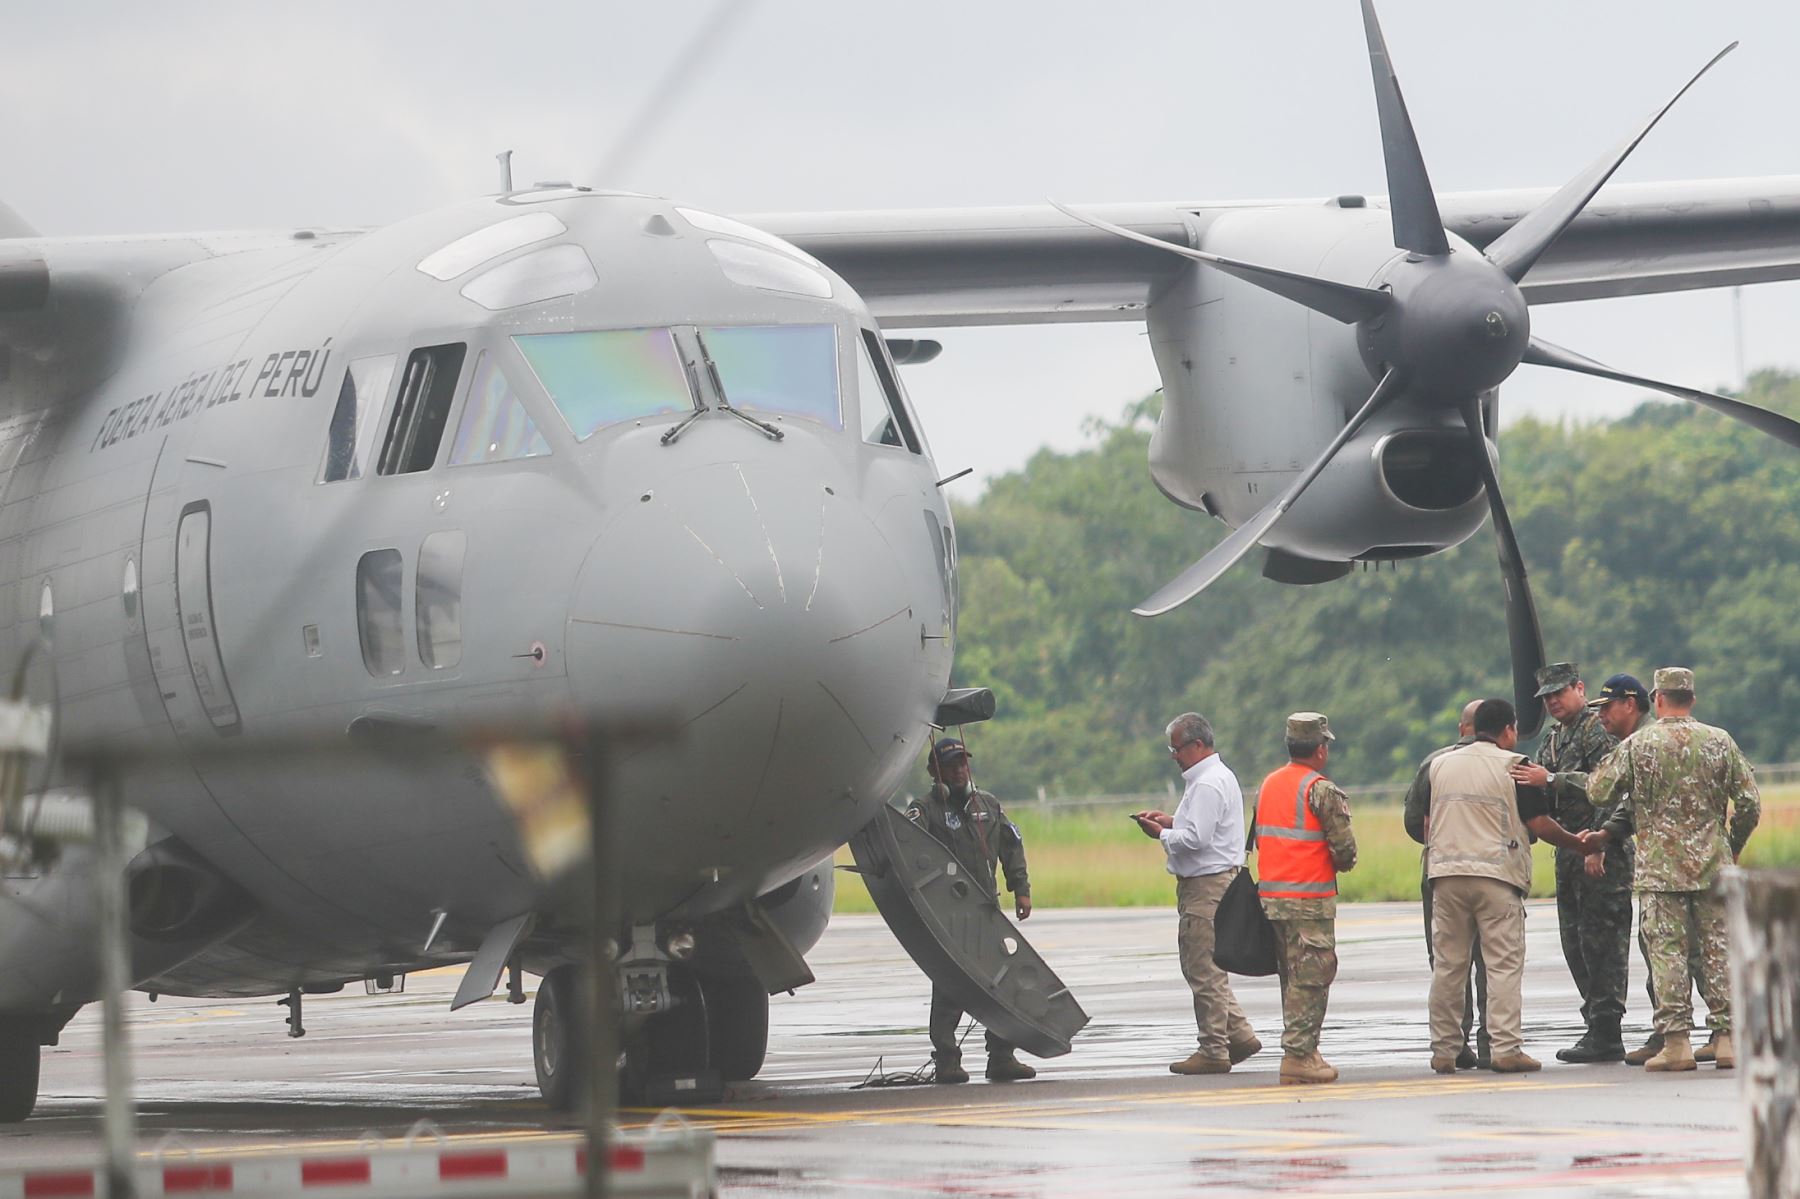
1670, 536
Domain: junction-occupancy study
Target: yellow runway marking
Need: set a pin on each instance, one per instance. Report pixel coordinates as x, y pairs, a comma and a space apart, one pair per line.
1020, 1111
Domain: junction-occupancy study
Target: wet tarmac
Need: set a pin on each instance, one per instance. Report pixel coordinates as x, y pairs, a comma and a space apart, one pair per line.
1108, 1119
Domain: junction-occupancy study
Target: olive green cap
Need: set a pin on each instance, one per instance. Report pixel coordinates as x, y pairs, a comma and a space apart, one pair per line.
1309, 726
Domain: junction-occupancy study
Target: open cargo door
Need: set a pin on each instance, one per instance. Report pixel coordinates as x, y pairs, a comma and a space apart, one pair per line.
953, 927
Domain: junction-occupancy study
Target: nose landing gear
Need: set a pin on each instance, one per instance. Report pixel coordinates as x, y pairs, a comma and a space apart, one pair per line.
715, 1029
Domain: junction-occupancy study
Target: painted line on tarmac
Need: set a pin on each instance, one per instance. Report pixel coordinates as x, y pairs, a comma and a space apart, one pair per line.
741, 1120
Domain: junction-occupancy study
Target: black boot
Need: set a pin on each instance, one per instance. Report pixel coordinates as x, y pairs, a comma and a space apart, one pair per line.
949, 1069
1601, 1044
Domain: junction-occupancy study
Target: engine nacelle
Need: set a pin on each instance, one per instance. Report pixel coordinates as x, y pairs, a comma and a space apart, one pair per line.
1256, 386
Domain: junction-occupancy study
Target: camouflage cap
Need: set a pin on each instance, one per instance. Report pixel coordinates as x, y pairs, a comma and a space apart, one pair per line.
1674, 678
1556, 676
1309, 726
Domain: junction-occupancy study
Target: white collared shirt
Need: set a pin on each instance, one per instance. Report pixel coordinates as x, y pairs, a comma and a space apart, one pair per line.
1208, 836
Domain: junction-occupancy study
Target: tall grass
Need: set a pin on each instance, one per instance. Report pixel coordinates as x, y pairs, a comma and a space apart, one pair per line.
1094, 857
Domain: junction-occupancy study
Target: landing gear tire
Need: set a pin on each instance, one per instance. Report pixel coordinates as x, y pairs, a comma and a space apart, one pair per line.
19, 1057
672, 1044
737, 1023
558, 1039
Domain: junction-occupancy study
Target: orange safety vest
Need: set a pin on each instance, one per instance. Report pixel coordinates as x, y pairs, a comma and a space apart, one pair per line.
1291, 853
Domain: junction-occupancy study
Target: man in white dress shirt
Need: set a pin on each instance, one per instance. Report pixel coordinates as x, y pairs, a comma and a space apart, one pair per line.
1204, 841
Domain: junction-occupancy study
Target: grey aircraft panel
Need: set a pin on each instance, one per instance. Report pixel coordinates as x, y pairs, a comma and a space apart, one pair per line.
953, 928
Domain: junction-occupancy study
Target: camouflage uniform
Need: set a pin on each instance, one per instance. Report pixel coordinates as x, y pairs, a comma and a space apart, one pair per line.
1592, 914
974, 828
1306, 931
1688, 797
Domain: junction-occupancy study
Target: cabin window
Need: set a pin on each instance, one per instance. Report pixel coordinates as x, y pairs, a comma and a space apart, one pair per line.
885, 420
421, 410
602, 378
353, 420
787, 369
378, 617
439, 601
495, 426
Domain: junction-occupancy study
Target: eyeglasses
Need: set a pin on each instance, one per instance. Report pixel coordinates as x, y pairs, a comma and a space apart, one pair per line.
1175, 749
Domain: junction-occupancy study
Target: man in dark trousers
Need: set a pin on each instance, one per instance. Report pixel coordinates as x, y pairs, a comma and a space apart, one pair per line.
969, 822
1416, 817
1593, 894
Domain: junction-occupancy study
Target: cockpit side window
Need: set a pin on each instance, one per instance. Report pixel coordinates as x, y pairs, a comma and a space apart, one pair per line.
422, 409
352, 429
885, 420
495, 426
608, 376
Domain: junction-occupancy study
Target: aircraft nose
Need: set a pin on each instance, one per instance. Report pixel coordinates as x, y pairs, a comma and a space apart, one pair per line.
762, 607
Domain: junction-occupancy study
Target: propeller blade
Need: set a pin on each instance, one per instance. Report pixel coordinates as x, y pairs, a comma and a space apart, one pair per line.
1219, 559
1417, 225
1340, 301
1522, 631
1782, 428
1521, 246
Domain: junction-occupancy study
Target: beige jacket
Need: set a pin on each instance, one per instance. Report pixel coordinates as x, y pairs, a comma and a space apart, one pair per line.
1475, 827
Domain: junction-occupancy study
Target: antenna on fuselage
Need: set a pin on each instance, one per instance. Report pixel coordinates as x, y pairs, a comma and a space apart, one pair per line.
505, 160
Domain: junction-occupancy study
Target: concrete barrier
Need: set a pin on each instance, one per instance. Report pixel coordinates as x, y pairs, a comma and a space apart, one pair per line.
1763, 912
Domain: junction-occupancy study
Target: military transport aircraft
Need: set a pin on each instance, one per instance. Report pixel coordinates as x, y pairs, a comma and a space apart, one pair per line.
563, 451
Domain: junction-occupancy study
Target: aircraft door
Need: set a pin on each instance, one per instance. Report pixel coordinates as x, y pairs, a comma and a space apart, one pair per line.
961, 939
194, 614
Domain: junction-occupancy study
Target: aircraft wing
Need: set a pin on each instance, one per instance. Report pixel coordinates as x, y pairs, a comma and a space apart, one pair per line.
1032, 264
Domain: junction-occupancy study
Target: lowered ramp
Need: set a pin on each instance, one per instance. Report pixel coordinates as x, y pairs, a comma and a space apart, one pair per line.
952, 926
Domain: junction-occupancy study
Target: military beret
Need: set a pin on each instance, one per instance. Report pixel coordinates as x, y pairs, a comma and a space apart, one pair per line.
1674, 678
1556, 676
1309, 726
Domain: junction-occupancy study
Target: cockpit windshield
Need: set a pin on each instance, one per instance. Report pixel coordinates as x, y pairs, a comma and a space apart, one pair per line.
602, 378
787, 369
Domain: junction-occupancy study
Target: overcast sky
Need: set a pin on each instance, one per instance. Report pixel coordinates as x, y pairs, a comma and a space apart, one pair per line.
135, 118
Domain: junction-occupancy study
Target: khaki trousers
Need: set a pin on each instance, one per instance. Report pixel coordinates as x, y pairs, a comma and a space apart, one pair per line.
1467, 910
1216, 1013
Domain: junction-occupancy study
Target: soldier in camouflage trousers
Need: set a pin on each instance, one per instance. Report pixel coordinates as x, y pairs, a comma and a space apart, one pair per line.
1685, 794
1593, 894
1303, 841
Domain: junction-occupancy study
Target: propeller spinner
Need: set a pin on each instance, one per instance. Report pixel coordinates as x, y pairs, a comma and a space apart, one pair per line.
1439, 328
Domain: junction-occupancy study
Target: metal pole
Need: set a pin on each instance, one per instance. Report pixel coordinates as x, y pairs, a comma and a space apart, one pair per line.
602, 975
115, 984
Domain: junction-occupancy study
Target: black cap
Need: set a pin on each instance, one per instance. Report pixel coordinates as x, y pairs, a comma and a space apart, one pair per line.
1618, 687
948, 749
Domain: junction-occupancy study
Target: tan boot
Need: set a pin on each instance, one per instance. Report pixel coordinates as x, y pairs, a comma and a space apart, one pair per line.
1676, 1054
1646, 1051
1200, 1063
1724, 1053
1306, 1071
1516, 1062
1247, 1048
1444, 1063
1706, 1051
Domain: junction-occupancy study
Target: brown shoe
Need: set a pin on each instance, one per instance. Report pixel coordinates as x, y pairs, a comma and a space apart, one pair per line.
1724, 1053
1444, 1064
1706, 1051
1518, 1062
1677, 1054
1004, 1067
1200, 1063
1241, 1050
1306, 1071
1646, 1051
